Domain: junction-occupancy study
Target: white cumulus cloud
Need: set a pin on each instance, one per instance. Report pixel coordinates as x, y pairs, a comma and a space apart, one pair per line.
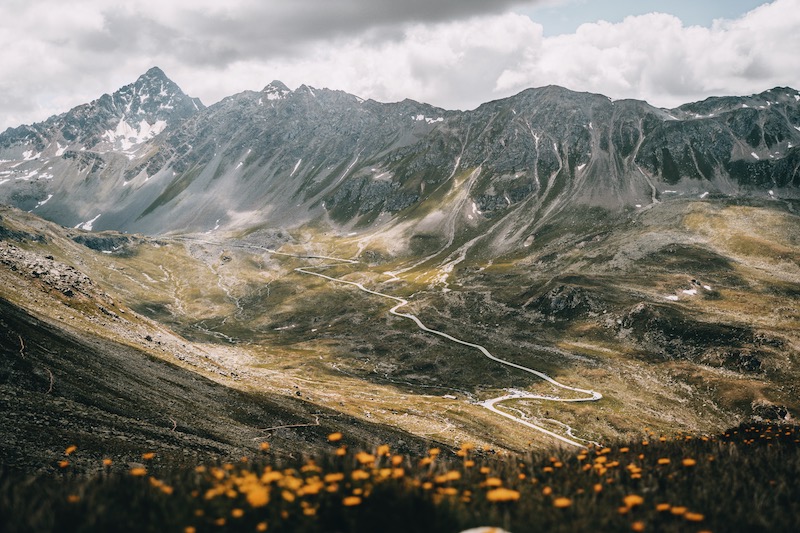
654, 57
450, 53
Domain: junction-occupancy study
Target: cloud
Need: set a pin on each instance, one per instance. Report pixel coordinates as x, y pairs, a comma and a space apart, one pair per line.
54, 55
464, 63
654, 57
209, 32
451, 53
449, 64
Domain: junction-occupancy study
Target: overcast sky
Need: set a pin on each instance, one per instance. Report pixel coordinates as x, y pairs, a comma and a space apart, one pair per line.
455, 54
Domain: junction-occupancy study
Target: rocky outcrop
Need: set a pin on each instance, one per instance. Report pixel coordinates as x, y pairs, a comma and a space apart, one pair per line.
663, 332
51, 274
566, 302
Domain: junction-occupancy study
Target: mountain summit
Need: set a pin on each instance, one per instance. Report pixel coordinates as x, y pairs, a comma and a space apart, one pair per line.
133, 114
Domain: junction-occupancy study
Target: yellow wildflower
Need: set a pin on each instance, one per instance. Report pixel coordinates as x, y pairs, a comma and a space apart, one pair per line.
334, 477
258, 496
360, 475
562, 502
632, 500
502, 495
351, 501
365, 458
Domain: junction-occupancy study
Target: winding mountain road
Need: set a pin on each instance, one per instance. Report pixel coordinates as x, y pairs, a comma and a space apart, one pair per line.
588, 395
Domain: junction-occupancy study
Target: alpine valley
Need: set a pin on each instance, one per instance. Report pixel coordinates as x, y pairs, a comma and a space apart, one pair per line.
561, 269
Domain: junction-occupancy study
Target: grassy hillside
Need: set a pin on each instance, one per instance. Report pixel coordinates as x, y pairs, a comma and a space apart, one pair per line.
743, 480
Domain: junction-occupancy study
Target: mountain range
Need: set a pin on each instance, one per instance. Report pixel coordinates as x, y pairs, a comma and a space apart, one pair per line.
149, 158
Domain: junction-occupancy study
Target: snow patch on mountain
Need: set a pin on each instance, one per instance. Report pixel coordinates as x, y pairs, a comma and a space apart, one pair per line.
297, 165
429, 120
126, 135
42, 202
89, 224
28, 176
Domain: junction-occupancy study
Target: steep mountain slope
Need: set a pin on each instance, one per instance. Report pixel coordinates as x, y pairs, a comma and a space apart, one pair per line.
292, 157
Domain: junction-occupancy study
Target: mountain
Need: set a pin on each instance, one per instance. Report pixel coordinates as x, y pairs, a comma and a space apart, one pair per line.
116, 122
148, 158
647, 254
71, 155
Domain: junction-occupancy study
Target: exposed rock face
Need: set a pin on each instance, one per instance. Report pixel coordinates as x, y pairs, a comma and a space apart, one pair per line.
149, 158
664, 332
566, 302
107, 243
51, 273
764, 410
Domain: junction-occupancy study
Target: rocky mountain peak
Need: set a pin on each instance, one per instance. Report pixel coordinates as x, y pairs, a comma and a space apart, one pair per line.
117, 121
276, 90
154, 96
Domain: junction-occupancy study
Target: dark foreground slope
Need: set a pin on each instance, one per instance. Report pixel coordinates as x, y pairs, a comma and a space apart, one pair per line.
58, 388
